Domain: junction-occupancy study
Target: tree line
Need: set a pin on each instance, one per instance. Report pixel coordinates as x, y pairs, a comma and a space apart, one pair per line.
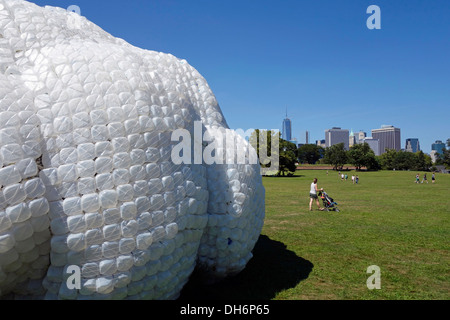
361, 156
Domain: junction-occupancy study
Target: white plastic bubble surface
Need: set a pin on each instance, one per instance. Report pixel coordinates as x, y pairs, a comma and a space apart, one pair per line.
86, 176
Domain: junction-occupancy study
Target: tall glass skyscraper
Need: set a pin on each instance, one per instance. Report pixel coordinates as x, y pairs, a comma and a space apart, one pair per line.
412, 145
438, 146
287, 129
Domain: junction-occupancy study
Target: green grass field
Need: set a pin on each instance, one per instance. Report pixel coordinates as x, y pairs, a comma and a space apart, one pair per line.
386, 220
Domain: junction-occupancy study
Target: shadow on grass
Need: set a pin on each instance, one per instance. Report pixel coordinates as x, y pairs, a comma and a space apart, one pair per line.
272, 269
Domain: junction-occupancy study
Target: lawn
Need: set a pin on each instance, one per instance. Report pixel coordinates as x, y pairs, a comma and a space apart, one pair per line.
386, 220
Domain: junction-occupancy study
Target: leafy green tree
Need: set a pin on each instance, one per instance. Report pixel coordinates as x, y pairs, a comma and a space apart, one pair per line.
405, 161
288, 158
446, 158
286, 154
439, 159
422, 163
336, 156
387, 159
373, 163
428, 162
310, 153
361, 155
261, 140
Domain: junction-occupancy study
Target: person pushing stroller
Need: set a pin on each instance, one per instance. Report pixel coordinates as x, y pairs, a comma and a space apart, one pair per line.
313, 195
328, 202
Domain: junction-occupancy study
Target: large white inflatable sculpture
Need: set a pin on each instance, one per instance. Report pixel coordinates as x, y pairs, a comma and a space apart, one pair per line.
87, 178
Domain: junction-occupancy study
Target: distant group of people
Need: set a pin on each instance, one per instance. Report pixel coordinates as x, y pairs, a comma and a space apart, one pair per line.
344, 177
425, 179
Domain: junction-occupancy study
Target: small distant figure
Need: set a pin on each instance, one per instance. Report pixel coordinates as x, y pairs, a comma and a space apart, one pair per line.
353, 179
342, 177
417, 178
357, 179
433, 178
327, 172
425, 178
346, 177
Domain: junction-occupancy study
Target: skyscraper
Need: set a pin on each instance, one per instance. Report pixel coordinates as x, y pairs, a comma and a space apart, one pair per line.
321, 143
337, 135
412, 145
287, 129
389, 137
361, 136
352, 140
438, 146
434, 156
374, 144
307, 137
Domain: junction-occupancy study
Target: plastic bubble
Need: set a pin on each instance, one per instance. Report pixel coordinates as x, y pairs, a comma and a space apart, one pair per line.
86, 170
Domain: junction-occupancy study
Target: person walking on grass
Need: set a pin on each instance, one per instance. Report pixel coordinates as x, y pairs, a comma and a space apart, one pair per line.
417, 178
314, 196
433, 178
425, 178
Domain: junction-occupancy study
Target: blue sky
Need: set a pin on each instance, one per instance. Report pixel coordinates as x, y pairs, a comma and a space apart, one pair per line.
315, 57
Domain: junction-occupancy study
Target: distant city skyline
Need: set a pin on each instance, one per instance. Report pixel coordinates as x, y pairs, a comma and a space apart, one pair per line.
362, 135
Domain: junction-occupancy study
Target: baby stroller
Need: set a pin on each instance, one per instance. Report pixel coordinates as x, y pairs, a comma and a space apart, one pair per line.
328, 202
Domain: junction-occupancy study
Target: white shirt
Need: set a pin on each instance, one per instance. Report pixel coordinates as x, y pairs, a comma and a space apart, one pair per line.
313, 188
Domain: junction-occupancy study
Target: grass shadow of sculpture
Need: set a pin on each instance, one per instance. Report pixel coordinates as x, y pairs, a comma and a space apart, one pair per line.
272, 269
